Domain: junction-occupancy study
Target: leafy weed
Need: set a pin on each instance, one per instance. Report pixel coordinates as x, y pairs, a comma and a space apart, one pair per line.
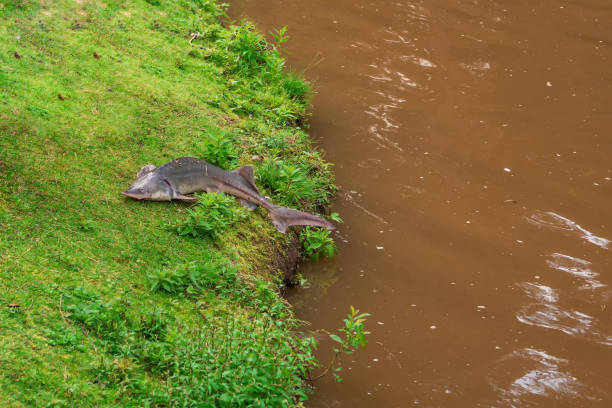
290, 183
212, 215
317, 242
214, 275
218, 148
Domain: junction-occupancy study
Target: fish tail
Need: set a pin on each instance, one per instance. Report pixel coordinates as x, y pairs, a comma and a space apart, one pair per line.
283, 217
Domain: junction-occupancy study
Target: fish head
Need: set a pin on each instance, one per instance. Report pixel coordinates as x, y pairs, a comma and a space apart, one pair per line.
150, 187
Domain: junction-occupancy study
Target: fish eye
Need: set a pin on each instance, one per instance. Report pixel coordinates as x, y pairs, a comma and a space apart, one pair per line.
141, 190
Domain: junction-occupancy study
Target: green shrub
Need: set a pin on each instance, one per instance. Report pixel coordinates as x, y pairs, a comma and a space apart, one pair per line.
253, 54
290, 183
240, 362
218, 279
153, 324
317, 242
257, 85
86, 307
218, 147
60, 335
167, 280
228, 359
215, 275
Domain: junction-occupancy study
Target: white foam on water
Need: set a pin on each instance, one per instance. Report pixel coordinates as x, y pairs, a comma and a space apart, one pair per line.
553, 220
577, 267
548, 311
570, 322
540, 293
541, 375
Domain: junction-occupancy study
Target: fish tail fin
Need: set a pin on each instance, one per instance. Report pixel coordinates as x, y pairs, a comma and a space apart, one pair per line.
283, 217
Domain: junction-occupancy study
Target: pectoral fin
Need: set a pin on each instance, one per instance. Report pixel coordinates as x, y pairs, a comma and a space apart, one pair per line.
251, 206
185, 198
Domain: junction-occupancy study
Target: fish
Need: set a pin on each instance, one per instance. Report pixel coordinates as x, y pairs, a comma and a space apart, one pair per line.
185, 175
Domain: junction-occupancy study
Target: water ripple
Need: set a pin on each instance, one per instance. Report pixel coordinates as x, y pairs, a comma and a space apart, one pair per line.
539, 292
553, 220
577, 267
548, 313
571, 322
544, 376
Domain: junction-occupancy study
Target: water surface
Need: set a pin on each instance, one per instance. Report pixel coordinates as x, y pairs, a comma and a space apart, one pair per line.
473, 147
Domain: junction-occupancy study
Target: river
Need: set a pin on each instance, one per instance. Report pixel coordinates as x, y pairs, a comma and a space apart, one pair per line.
473, 148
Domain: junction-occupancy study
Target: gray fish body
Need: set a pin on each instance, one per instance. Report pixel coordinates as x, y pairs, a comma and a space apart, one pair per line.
186, 175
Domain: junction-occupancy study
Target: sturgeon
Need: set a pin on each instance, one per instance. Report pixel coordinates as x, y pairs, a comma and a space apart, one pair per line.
186, 175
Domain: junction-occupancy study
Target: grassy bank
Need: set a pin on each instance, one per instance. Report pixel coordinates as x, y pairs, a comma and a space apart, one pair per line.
112, 302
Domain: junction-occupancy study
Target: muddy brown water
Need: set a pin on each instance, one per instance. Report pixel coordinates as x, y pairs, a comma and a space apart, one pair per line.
473, 147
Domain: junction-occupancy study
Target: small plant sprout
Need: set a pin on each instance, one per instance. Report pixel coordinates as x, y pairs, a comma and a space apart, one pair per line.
351, 338
354, 332
280, 36
336, 217
303, 282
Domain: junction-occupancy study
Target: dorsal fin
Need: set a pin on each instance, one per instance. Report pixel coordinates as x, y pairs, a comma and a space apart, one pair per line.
247, 174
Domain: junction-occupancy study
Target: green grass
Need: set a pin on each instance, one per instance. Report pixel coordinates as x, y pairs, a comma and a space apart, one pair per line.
102, 302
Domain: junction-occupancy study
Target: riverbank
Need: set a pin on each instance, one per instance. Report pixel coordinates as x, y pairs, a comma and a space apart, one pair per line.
113, 302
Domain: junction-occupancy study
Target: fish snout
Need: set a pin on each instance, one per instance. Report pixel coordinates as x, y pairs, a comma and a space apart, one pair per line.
133, 193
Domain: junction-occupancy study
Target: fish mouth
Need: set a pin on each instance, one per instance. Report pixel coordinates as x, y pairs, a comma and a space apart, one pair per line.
131, 194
